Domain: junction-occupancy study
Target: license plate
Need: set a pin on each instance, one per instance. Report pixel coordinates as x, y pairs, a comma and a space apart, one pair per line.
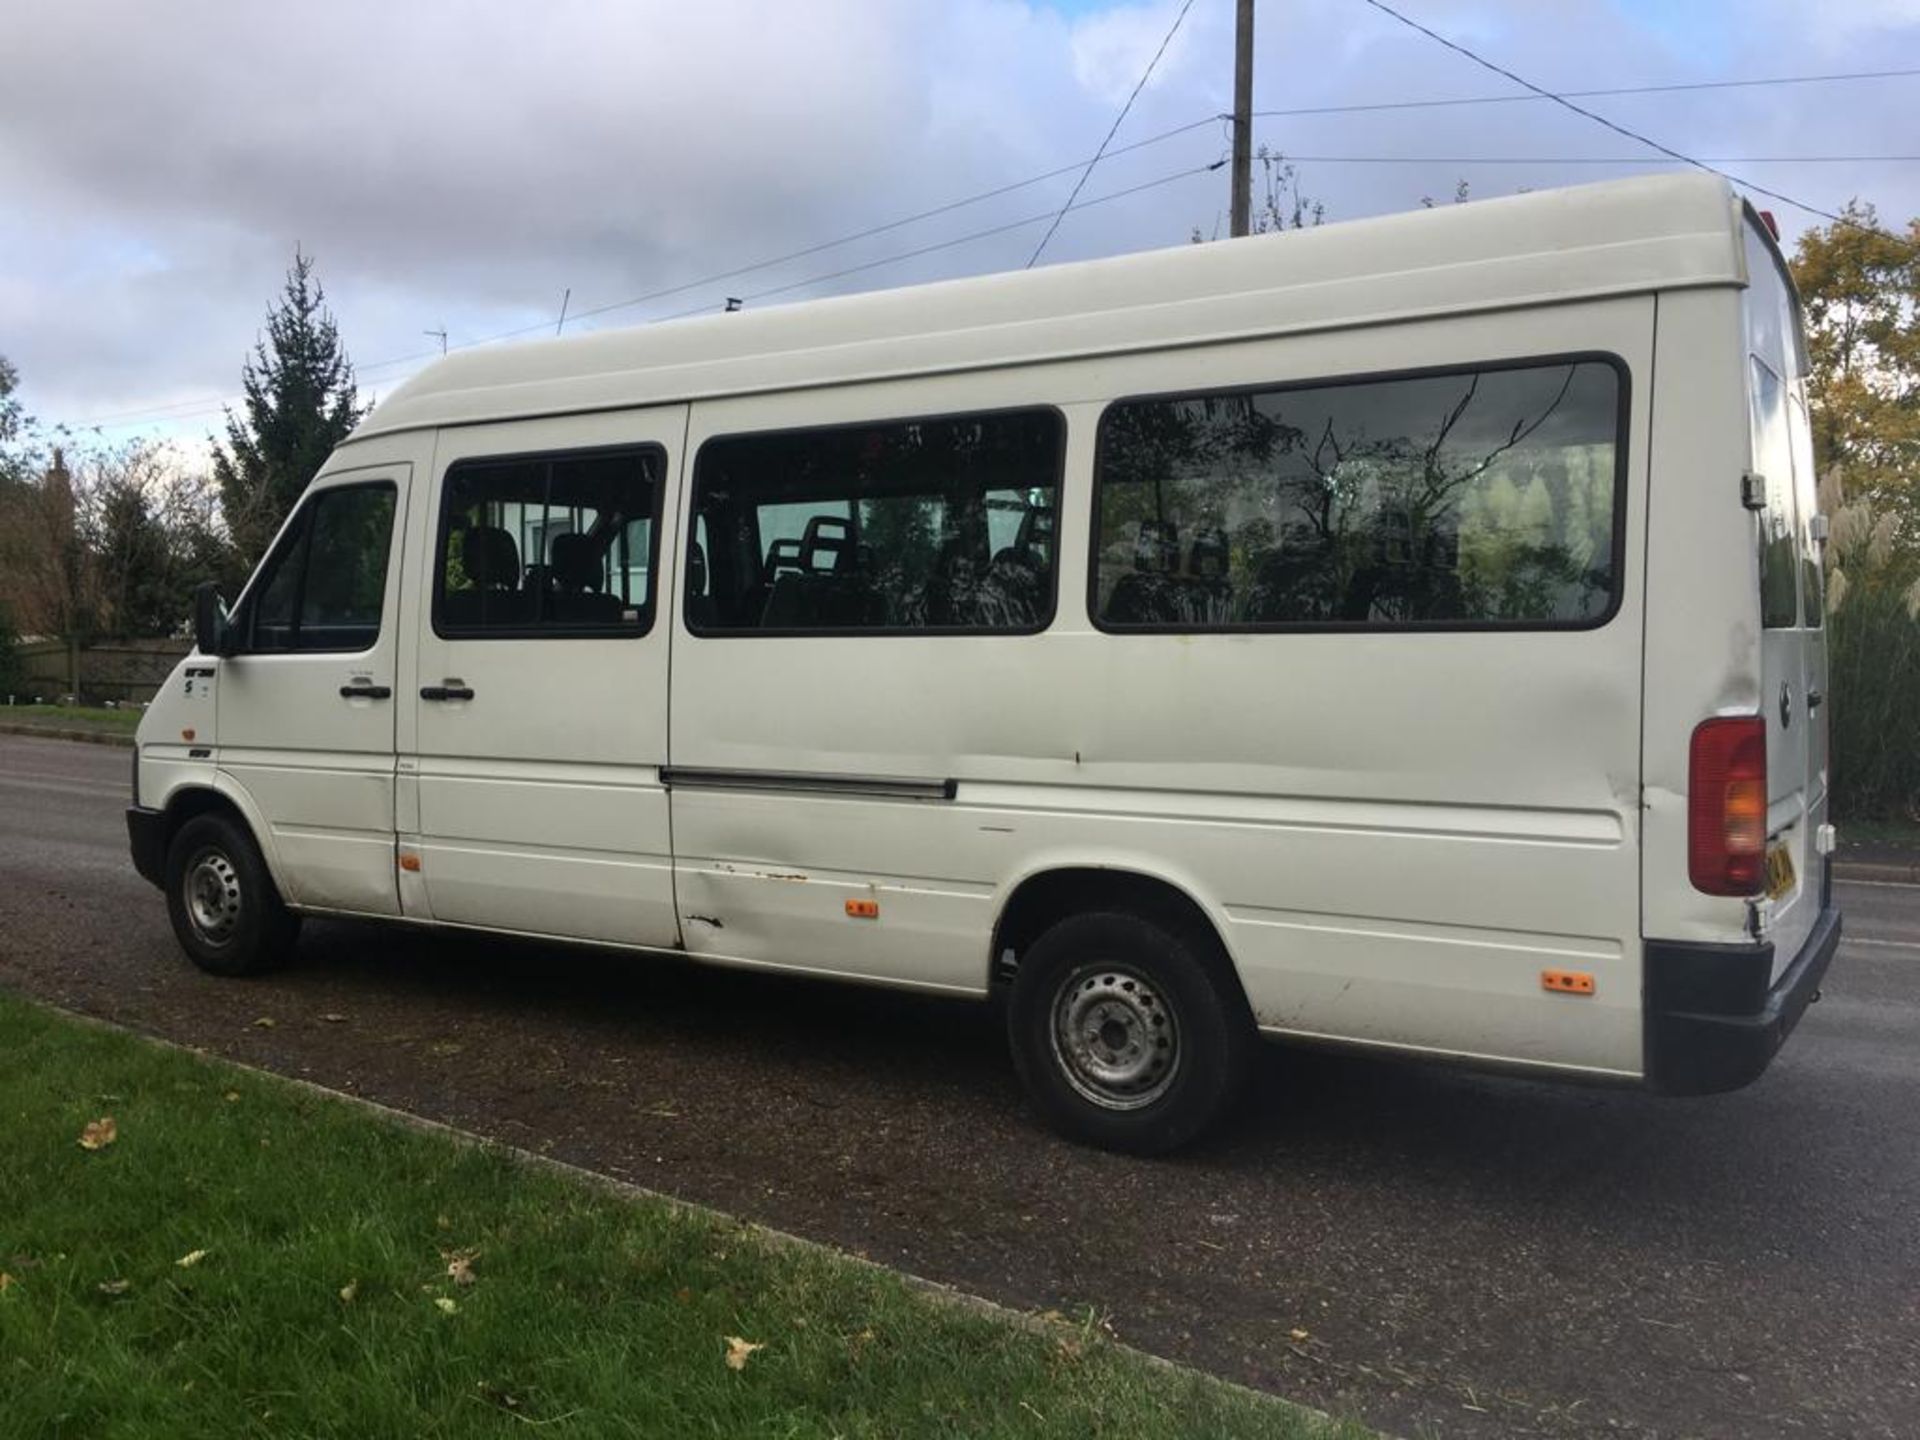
1779, 871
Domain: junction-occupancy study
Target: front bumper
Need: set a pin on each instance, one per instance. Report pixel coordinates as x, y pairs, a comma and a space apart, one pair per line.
1713, 1022
147, 838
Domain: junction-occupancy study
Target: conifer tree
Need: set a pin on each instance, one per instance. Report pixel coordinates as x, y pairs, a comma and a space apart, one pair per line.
300, 403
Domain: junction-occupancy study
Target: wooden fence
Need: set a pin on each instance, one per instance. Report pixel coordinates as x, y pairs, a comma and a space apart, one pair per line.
117, 670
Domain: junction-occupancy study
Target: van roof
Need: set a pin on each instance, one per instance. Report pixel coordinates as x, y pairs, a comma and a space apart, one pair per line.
1620, 237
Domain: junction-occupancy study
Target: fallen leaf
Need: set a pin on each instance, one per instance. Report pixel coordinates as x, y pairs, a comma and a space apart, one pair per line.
333, 1019
6, 1282
443, 1222
191, 1259
445, 1306
738, 1350
99, 1133
494, 1395
683, 1294
348, 1291
232, 1095
115, 1287
265, 1022
460, 1266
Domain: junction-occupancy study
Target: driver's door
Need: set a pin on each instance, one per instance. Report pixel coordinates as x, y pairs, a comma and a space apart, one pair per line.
305, 717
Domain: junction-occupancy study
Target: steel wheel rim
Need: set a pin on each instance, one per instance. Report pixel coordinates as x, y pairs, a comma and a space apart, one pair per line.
1115, 1037
211, 890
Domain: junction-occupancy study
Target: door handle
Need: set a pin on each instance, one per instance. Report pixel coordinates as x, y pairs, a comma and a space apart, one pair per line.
1814, 699
446, 692
365, 692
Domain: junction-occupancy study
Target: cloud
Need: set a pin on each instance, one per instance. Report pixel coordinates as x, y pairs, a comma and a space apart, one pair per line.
463, 166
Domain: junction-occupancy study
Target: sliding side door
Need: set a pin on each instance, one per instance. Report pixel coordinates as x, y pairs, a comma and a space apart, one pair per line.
539, 692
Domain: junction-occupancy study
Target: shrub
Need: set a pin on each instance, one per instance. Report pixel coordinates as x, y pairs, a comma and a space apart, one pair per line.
1873, 603
12, 673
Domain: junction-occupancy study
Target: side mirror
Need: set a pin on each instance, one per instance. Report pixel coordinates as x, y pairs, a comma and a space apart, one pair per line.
210, 631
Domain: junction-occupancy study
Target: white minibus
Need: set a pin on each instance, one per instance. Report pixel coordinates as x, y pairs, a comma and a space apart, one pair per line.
1405, 634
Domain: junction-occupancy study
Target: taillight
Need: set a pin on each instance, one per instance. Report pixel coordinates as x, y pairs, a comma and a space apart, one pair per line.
1727, 805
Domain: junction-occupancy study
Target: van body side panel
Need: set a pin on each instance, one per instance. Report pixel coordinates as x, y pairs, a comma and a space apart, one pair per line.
1703, 653
1395, 832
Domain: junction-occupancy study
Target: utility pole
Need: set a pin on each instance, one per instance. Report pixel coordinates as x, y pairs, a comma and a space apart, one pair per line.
1242, 118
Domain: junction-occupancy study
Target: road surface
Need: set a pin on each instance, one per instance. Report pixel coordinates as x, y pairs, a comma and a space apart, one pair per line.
1467, 1255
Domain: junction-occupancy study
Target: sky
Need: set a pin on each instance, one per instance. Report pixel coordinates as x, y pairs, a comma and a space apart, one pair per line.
462, 168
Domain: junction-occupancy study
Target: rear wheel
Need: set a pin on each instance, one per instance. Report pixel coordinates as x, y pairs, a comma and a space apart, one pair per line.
225, 912
1128, 1034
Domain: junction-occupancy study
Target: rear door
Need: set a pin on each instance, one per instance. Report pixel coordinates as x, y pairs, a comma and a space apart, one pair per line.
537, 704
1791, 649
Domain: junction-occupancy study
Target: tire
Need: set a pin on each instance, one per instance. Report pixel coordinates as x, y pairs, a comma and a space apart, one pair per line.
225, 912
1128, 1034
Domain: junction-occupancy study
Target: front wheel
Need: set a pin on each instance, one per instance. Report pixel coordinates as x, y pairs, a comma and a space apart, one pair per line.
225, 912
1127, 1034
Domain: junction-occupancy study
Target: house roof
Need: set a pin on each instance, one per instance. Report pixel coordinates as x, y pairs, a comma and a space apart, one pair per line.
1621, 237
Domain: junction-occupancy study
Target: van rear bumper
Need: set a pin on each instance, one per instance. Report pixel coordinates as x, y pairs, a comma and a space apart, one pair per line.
147, 838
1713, 1022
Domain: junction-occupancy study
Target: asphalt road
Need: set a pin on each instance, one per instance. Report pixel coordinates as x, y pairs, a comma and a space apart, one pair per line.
1466, 1255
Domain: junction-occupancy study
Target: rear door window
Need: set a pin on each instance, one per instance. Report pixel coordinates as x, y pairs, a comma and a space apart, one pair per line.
1780, 540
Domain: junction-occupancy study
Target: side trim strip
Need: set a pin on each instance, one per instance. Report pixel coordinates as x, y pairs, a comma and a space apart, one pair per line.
788, 782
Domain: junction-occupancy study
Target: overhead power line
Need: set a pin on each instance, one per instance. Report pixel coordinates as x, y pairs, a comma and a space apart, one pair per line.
190, 409
213, 406
1594, 115
1601, 159
1112, 130
963, 239
1680, 87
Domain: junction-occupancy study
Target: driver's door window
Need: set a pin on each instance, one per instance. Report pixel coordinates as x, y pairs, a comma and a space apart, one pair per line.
322, 589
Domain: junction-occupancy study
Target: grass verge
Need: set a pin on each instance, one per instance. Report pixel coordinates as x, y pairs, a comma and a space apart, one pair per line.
248, 1258
94, 720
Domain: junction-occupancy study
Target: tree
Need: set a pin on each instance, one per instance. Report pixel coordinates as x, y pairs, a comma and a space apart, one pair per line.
1860, 285
300, 403
153, 537
1281, 204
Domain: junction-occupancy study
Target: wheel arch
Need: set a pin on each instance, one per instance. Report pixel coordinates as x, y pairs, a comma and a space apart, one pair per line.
222, 797
1051, 892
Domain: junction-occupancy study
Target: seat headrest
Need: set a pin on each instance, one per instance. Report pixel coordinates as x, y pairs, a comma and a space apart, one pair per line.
827, 528
783, 554
1207, 557
491, 558
576, 562
1156, 551
696, 570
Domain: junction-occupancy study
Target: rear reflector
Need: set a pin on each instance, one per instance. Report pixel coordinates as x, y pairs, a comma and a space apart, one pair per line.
1727, 806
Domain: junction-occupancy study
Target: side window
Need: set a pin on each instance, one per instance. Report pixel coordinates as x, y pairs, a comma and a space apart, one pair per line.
919, 525
548, 545
325, 587
1779, 540
1475, 498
